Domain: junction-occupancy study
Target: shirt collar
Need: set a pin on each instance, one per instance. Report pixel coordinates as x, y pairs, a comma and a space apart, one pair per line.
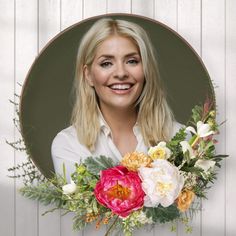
104, 127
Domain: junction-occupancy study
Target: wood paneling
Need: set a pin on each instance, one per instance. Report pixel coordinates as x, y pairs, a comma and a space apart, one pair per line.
93, 8
141, 7
166, 12
213, 55
26, 49
27, 26
230, 96
118, 6
49, 25
7, 77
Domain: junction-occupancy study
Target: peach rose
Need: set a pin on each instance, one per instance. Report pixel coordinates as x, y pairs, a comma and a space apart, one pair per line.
185, 199
133, 161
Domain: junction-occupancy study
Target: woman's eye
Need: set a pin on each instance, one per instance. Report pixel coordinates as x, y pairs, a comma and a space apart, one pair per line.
133, 61
105, 64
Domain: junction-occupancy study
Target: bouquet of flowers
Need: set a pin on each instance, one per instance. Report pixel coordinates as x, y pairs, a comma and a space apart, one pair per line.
143, 189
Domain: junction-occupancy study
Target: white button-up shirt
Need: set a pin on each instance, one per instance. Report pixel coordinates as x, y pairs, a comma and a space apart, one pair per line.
68, 150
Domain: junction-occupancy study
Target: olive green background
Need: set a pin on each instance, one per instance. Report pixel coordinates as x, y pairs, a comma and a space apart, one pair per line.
47, 99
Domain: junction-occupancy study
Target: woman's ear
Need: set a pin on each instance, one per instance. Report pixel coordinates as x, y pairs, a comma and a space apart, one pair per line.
87, 75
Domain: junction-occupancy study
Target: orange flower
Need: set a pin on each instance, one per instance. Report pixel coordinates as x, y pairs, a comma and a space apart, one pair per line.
132, 161
185, 199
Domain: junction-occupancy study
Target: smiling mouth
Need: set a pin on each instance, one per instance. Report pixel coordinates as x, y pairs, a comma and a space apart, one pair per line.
120, 86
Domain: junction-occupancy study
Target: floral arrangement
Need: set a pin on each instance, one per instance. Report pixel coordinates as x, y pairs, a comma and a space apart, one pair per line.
161, 186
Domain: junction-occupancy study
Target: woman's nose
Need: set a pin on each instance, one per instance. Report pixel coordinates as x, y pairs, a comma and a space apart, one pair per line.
120, 71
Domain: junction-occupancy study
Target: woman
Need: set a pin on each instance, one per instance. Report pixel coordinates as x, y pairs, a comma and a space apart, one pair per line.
120, 104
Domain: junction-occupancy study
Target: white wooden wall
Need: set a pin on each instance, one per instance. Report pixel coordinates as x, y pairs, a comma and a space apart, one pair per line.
26, 26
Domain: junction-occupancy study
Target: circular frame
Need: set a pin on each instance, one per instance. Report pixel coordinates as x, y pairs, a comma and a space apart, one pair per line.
47, 100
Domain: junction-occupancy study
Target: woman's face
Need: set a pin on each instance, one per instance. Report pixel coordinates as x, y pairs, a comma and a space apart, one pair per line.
116, 73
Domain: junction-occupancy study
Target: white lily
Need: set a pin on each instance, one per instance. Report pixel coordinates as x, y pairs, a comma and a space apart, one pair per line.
186, 147
203, 130
206, 165
69, 188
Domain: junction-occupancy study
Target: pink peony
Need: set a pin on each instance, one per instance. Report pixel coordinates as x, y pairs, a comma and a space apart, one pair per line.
120, 190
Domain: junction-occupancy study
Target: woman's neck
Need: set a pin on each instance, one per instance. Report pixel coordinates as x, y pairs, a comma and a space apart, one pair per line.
120, 120
121, 123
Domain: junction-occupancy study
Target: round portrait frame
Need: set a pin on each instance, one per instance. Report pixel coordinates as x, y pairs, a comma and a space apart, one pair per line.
47, 99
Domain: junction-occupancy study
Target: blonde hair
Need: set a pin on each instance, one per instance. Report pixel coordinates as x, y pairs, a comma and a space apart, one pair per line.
155, 118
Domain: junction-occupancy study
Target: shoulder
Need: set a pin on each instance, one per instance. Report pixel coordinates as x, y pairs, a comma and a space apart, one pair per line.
66, 145
65, 135
176, 127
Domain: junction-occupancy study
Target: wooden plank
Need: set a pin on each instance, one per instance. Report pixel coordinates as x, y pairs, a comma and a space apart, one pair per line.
67, 225
144, 8
7, 203
49, 26
114, 6
166, 12
189, 27
189, 22
26, 50
93, 8
230, 116
213, 54
165, 229
49, 20
71, 12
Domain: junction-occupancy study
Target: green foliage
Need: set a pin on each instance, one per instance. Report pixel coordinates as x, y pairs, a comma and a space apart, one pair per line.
28, 172
82, 200
45, 193
218, 158
193, 210
79, 220
96, 164
162, 214
135, 220
174, 145
197, 114
179, 136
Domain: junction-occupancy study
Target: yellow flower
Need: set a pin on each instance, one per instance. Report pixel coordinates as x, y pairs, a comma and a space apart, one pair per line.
185, 199
212, 113
159, 152
133, 161
211, 122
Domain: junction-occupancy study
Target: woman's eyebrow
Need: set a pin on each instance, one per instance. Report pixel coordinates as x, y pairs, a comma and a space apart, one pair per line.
109, 56
106, 56
132, 54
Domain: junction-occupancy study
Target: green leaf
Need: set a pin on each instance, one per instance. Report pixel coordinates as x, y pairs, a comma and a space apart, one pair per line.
179, 136
96, 164
197, 113
162, 214
44, 194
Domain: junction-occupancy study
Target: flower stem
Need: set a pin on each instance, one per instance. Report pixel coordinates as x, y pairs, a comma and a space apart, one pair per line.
112, 225
195, 141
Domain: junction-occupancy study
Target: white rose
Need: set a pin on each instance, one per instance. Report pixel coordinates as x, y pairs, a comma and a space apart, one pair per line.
206, 165
159, 152
69, 188
162, 183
